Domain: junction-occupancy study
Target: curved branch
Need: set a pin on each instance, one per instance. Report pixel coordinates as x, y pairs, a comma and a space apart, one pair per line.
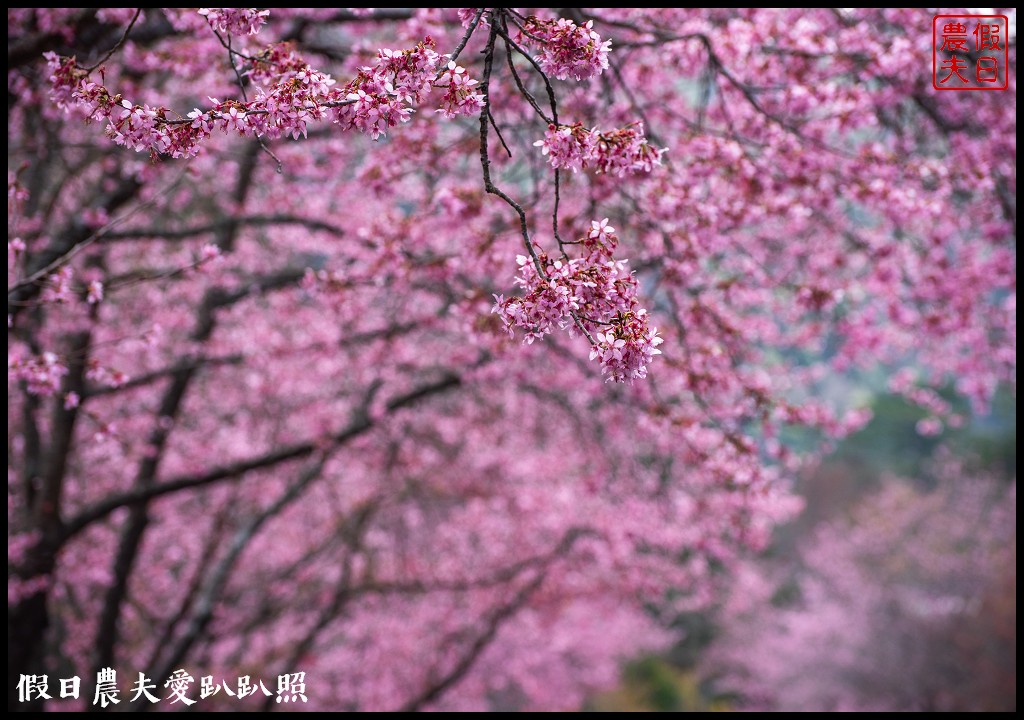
502, 614
223, 224
215, 582
235, 470
119, 43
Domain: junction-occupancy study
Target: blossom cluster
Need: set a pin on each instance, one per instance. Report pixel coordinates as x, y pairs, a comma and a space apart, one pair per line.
383, 95
16, 195
567, 50
235, 21
466, 16
289, 94
595, 292
618, 152
283, 110
41, 373
59, 287
459, 97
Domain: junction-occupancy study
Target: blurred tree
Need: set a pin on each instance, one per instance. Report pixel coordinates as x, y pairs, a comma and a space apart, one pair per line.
909, 604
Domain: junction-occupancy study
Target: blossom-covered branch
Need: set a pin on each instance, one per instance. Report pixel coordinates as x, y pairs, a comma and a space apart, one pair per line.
289, 96
594, 289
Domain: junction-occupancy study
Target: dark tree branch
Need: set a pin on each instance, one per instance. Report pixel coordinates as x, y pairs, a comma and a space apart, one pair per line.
212, 588
355, 530
219, 226
162, 374
498, 617
236, 470
28, 619
64, 243
138, 514
136, 523
119, 43
213, 540
468, 34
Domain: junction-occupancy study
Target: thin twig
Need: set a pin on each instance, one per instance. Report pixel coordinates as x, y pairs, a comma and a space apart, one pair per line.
231, 62
232, 52
465, 38
245, 97
522, 88
485, 165
497, 131
119, 42
554, 212
70, 254
536, 66
485, 159
523, 29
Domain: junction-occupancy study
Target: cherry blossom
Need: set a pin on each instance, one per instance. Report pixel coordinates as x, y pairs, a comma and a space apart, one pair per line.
235, 21
594, 293
95, 292
459, 98
619, 152
41, 374
568, 50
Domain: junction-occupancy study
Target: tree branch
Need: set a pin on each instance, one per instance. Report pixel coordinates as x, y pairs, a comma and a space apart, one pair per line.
219, 226
492, 624
64, 245
117, 45
235, 470
218, 578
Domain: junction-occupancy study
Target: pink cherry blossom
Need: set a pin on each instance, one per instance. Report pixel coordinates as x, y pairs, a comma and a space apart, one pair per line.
235, 21
595, 294
568, 50
460, 97
95, 292
619, 152
41, 374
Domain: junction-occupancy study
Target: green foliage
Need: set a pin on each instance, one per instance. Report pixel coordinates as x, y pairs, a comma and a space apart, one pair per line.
654, 684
